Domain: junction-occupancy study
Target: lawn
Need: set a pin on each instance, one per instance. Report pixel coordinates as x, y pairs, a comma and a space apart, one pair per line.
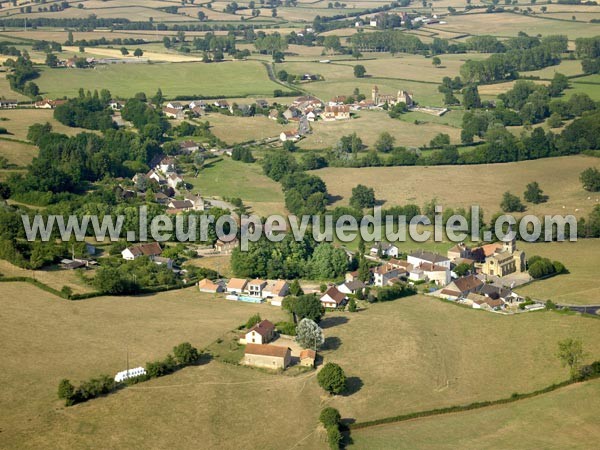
580, 285
561, 419
368, 125
225, 178
229, 79
420, 353
461, 186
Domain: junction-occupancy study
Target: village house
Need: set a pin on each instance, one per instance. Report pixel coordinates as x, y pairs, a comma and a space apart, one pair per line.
307, 100
154, 175
180, 206
189, 147
267, 356
308, 357
175, 105
151, 250
173, 113
255, 287
386, 249
116, 105
332, 298
48, 104
173, 180
226, 247
273, 114
291, 136
422, 256
462, 287
481, 302
198, 203
196, 111
166, 165
434, 273
223, 104
276, 289
351, 287
236, 286
332, 113
261, 333
384, 274
8, 103
197, 104
262, 103
206, 285
292, 113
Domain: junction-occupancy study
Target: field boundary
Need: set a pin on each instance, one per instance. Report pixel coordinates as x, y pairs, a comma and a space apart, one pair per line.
462, 408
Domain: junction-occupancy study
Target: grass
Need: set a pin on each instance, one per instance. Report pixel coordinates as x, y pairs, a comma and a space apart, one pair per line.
566, 67
421, 353
463, 186
246, 128
17, 153
19, 121
54, 278
580, 285
227, 178
44, 340
561, 419
227, 79
370, 124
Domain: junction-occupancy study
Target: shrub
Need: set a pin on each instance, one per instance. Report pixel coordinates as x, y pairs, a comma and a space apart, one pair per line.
186, 354
253, 321
334, 437
288, 328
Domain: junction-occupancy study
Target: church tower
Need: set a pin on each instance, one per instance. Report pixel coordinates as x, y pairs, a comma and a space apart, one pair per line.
510, 245
375, 94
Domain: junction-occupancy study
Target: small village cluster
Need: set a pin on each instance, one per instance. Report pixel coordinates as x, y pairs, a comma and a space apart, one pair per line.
490, 267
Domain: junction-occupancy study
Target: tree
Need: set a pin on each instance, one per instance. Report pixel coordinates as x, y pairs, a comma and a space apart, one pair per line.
332, 378
533, 193
555, 120
590, 179
462, 269
124, 51
511, 203
440, 140
138, 52
436, 61
332, 43
352, 305
253, 320
362, 197
296, 289
385, 142
309, 334
471, 97
51, 60
185, 353
360, 71
306, 306
330, 417
570, 353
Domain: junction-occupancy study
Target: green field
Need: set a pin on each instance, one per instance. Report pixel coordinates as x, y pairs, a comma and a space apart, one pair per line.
226, 178
228, 79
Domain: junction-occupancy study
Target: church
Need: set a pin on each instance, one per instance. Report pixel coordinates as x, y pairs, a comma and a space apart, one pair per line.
381, 99
505, 260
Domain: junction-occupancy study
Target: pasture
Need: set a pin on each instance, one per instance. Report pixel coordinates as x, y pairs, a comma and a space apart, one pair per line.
17, 153
370, 124
18, 121
461, 186
580, 285
44, 340
229, 79
420, 353
226, 178
561, 419
246, 128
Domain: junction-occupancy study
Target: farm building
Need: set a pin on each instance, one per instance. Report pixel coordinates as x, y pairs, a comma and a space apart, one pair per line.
307, 357
209, 286
151, 250
267, 356
332, 298
131, 373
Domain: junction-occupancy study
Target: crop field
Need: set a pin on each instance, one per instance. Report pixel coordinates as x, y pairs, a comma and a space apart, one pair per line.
420, 353
161, 55
508, 24
227, 79
461, 186
561, 419
227, 178
369, 125
580, 285
131, 12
